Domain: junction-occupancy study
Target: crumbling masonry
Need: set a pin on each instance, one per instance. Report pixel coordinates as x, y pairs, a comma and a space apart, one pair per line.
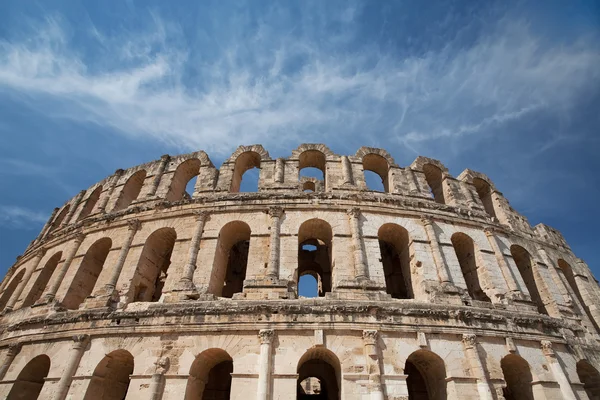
434, 288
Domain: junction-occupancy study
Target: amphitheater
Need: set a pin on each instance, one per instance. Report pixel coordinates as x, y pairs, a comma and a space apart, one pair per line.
430, 288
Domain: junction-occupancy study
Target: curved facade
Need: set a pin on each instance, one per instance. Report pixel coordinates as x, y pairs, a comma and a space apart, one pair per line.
432, 288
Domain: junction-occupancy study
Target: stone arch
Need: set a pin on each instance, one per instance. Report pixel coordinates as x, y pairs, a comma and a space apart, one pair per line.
60, 218
313, 158
324, 365
210, 376
10, 288
152, 268
131, 190
231, 259
426, 376
111, 377
567, 271
89, 270
42, 280
517, 375
466, 253
395, 256
31, 379
184, 172
524, 264
434, 178
379, 165
90, 202
484, 191
314, 252
244, 162
590, 377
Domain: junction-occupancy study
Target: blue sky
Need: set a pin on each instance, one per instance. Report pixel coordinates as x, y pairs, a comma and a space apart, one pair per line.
508, 88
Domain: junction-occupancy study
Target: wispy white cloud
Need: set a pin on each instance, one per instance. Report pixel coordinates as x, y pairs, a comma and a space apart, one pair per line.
292, 87
16, 217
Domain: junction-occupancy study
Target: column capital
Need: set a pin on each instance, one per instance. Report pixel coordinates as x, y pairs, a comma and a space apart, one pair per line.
370, 336
353, 212
40, 252
134, 225
201, 215
547, 348
162, 365
79, 236
489, 231
275, 212
80, 341
469, 340
426, 220
165, 157
14, 348
266, 335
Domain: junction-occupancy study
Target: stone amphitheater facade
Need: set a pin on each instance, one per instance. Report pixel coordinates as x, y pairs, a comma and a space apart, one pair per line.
434, 288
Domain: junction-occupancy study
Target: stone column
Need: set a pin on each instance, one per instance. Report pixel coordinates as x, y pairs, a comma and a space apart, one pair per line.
264, 364
504, 267
132, 227
161, 170
46, 226
412, 181
78, 347
346, 170
273, 270
51, 293
559, 374
157, 385
474, 359
372, 359
13, 350
438, 258
187, 280
360, 267
104, 200
73, 208
39, 254
279, 170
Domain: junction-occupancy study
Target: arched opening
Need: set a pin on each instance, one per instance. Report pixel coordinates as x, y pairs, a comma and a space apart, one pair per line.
314, 253
30, 381
110, 380
465, 252
231, 260
131, 190
395, 257
308, 285
590, 377
568, 273
151, 271
60, 218
10, 289
42, 280
184, 173
308, 187
434, 178
311, 163
518, 378
484, 191
379, 166
85, 279
318, 366
243, 176
210, 376
525, 266
90, 203
426, 378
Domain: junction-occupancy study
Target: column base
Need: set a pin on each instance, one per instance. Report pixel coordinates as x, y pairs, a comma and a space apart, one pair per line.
267, 288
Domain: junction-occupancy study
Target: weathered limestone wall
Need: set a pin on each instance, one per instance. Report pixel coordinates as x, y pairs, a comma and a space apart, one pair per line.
135, 288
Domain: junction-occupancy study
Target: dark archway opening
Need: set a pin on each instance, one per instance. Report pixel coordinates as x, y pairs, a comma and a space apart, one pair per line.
314, 253
395, 257
465, 253
246, 172
111, 377
376, 171
518, 378
426, 378
231, 260
434, 178
590, 377
30, 381
210, 376
153, 266
42, 280
318, 376
525, 267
